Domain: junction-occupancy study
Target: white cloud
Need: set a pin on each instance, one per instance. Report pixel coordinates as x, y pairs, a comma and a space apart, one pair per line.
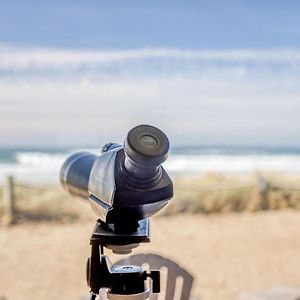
219, 103
20, 59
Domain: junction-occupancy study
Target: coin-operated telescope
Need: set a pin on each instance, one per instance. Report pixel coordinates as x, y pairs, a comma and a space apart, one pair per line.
125, 186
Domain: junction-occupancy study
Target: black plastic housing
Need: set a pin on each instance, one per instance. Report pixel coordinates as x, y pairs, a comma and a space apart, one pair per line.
137, 198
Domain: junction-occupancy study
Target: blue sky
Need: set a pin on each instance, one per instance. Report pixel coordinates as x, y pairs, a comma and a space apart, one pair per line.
206, 72
134, 24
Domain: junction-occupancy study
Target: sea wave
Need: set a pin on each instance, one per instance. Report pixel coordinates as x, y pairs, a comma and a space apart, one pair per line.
233, 163
43, 167
39, 159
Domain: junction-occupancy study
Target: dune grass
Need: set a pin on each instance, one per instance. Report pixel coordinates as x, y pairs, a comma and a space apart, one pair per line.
215, 193
209, 194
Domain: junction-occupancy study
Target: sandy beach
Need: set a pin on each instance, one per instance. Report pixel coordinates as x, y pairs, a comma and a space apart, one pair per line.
227, 254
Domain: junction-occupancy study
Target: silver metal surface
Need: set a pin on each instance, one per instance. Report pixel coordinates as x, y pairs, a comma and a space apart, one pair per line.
102, 181
122, 249
141, 296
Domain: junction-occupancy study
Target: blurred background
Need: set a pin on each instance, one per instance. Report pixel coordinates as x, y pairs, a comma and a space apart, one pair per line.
221, 79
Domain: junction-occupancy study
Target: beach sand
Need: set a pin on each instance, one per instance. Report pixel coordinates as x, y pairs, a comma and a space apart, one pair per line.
227, 253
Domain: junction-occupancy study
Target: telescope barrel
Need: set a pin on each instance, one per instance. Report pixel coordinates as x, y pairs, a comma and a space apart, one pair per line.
75, 173
145, 147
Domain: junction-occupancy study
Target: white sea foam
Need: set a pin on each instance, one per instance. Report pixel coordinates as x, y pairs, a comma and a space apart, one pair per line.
39, 159
233, 163
39, 167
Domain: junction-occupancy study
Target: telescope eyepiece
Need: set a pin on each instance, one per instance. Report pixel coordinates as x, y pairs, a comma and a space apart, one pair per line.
146, 145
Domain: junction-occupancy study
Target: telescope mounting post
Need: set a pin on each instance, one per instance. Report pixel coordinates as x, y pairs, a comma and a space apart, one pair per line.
121, 282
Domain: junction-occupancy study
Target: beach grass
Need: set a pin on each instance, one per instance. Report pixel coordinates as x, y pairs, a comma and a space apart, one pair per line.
216, 193
209, 194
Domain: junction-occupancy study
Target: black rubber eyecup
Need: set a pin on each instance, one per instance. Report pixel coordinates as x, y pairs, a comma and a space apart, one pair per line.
146, 145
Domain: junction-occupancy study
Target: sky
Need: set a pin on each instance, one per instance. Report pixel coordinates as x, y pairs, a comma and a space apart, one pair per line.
135, 24
206, 72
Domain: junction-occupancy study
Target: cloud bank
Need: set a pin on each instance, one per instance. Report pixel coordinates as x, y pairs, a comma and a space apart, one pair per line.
31, 58
61, 97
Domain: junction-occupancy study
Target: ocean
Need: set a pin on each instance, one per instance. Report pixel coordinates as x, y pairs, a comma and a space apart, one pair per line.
43, 165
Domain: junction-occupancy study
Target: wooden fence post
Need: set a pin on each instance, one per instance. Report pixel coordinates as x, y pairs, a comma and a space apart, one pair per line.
264, 189
8, 201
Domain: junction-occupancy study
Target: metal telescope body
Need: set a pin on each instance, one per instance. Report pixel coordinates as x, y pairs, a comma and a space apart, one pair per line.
125, 185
